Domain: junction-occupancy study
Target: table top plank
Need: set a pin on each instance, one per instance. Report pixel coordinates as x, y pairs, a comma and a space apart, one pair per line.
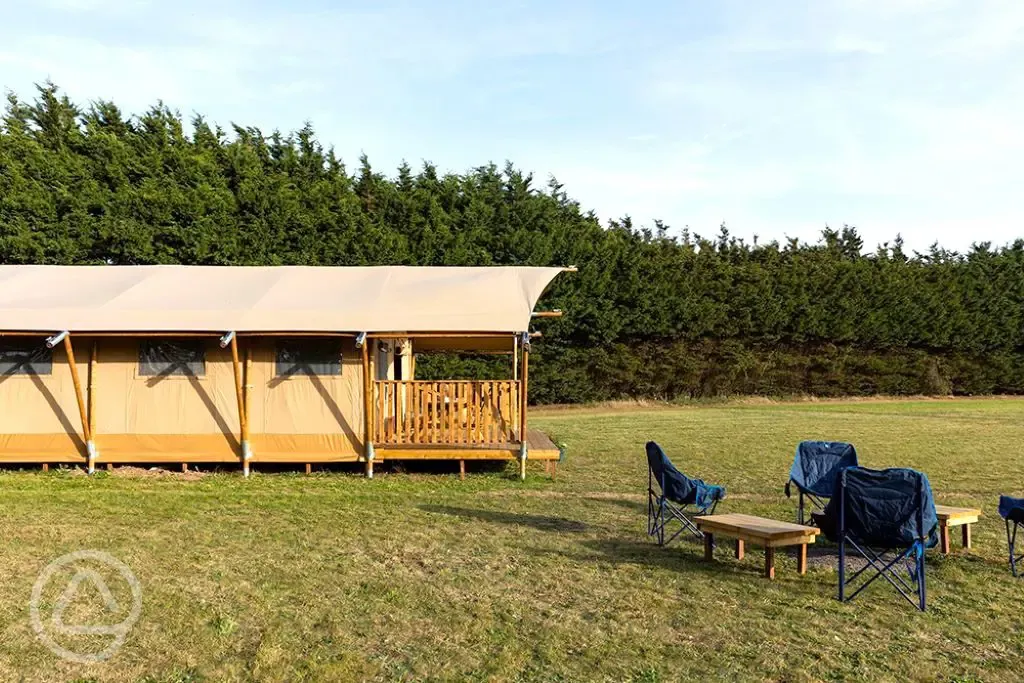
954, 515
759, 530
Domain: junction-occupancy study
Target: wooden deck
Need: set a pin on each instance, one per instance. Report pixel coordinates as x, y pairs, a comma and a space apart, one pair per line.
539, 447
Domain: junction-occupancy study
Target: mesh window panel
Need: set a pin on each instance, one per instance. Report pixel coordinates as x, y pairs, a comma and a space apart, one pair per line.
25, 358
308, 357
179, 358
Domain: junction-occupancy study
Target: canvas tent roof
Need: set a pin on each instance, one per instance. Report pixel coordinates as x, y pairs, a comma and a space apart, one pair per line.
269, 299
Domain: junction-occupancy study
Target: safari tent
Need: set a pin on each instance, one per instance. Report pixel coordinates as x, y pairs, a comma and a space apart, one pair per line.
289, 364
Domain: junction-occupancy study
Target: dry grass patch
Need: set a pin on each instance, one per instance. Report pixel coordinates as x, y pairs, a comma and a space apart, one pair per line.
424, 577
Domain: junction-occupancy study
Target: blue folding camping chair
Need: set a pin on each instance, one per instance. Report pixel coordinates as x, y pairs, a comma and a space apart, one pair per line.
1012, 512
815, 467
676, 493
887, 517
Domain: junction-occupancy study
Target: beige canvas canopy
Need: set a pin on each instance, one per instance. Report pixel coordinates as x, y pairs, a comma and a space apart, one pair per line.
269, 299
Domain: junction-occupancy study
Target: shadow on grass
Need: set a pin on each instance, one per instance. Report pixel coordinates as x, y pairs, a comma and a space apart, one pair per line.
675, 558
541, 522
645, 554
636, 505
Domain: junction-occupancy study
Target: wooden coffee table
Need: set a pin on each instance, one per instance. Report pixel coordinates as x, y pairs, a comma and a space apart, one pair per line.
767, 533
951, 516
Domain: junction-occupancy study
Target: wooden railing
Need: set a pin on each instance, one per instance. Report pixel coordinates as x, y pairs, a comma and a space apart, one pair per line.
458, 412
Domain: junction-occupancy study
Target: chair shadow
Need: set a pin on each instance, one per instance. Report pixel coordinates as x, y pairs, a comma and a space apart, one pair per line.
540, 522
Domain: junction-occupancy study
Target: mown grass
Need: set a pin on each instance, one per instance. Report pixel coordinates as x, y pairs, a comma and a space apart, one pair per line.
424, 577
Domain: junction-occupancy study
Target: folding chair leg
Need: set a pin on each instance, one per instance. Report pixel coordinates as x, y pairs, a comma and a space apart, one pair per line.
650, 512
1011, 541
842, 568
921, 589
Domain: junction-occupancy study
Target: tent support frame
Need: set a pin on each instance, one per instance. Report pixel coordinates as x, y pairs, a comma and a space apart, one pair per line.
231, 339
523, 448
367, 404
69, 351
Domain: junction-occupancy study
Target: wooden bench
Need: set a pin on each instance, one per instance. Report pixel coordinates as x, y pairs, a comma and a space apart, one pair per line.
767, 533
951, 516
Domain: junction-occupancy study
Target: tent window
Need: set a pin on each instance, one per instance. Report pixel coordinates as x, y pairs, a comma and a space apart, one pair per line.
181, 358
25, 358
311, 357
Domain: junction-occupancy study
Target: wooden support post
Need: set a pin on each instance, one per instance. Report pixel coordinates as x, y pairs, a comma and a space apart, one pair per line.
515, 357
184, 467
739, 549
309, 468
944, 538
243, 422
523, 451
966, 535
801, 559
769, 563
368, 435
46, 467
462, 470
91, 395
709, 546
89, 445
110, 467
554, 469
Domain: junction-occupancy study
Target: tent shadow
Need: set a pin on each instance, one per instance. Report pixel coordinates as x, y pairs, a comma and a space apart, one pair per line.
540, 522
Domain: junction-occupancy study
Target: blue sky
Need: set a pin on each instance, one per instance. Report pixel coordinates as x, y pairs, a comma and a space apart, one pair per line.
775, 116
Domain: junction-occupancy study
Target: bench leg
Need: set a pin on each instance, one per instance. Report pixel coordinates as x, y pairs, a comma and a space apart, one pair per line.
967, 536
709, 546
739, 549
944, 538
769, 563
801, 559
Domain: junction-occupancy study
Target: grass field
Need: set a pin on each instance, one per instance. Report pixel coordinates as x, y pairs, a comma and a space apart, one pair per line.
425, 577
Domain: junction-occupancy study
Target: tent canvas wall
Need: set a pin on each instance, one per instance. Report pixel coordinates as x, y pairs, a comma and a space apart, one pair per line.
295, 385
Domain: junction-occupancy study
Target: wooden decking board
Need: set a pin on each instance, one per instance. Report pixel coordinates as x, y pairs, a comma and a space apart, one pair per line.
539, 447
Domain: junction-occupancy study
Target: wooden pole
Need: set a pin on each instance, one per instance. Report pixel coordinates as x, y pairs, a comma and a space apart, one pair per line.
367, 409
89, 445
243, 424
522, 412
515, 358
91, 396
92, 385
